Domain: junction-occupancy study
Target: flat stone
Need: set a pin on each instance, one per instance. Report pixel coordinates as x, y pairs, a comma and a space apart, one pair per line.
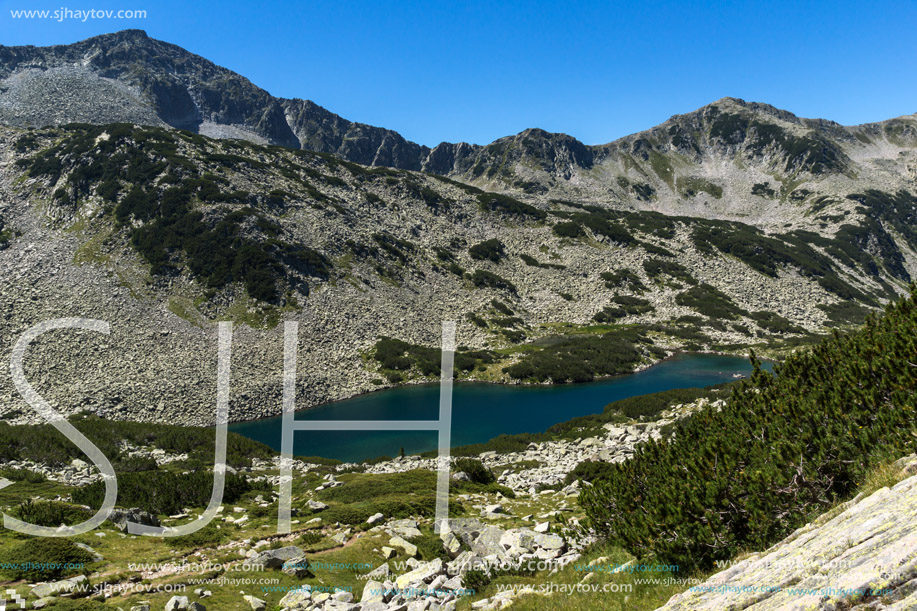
255, 603
297, 599
550, 542
372, 592
422, 573
409, 548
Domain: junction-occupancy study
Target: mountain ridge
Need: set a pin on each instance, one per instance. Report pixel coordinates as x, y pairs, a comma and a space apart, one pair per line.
175, 87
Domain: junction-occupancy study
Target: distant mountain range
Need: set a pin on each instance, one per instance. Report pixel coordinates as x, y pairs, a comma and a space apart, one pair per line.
128, 76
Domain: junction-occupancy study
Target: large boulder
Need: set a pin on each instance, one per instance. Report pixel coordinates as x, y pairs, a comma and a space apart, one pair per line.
177, 603
373, 592
74, 586
425, 572
297, 567
120, 518
451, 543
298, 598
275, 558
409, 548
404, 528
488, 542
518, 538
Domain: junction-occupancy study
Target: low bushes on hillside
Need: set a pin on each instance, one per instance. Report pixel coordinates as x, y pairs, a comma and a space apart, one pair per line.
581, 358
165, 493
475, 469
43, 443
785, 447
490, 250
59, 557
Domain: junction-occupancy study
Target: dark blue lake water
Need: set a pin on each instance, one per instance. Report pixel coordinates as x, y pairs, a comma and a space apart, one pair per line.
482, 411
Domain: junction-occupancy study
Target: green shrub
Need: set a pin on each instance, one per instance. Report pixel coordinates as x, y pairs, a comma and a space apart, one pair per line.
134, 464
310, 537
623, 279
165, 493
49, 513
581, 358
23, 475
430, 547
491, 250
588, 471
650, 406
485, 279
625, 305
61, 557
501, 307
656, 268
394, 355
506, 205
774, 323
43, 443
709, 301
475, 469
568, 230
475, 579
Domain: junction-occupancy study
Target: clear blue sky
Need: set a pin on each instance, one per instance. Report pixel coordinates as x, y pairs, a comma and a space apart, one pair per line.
475, 71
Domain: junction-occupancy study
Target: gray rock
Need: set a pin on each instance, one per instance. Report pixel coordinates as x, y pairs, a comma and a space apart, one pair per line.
550, 542
421, 574
409, 548
297, 567
372, 592
59, 588
275, 558
380, 572
298, 598
177, 603
120, 518
488, 543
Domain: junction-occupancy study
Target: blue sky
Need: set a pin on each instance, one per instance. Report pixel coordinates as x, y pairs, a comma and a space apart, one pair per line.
475, 71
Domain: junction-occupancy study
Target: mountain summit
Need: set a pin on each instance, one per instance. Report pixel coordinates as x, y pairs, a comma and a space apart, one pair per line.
128, 76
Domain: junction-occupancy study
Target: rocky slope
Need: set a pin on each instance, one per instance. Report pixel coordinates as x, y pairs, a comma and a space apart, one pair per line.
162, 232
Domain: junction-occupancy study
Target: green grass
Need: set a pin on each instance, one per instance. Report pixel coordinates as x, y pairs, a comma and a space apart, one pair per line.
184, 309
